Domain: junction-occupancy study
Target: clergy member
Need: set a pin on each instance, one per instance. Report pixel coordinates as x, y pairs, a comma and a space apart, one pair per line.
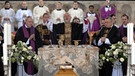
91, 23
46, 29
8, 15
107, 10
123, 27
28, 34
38, 12
108, 35
22, 13
123, 32
76, 31
76, 12
57, 16
114, 20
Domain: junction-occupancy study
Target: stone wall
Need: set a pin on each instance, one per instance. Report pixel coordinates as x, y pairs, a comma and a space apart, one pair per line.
123, 7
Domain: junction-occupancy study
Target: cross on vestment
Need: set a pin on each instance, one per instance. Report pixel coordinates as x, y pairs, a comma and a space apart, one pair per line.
91, 18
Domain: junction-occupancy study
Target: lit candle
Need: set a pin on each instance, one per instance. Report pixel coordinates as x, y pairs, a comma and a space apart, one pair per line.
133, 53
5, 57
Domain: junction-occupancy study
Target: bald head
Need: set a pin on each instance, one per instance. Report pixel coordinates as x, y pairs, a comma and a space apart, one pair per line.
24, 4
41, 2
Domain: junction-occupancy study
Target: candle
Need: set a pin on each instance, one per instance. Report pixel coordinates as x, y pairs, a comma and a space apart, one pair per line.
7, 34
9, 40
5, 56
130, 34
133, 53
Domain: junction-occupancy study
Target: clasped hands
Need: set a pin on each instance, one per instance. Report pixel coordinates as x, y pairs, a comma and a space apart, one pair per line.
6, 19
103, 39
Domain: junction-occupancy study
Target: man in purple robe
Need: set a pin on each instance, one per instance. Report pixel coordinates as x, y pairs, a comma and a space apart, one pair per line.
107, 10
28, 34
91, 23
123, 32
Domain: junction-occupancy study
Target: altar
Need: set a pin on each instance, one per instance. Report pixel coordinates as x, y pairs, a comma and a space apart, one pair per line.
84, 58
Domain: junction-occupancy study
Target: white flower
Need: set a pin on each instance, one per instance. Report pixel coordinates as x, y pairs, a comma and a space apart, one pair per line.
22, 58
117, 50
108, 54
24, 49
20, 42
29, 57
13, 47
21, 61
107, 60
121, 59
103, 58
113, 46
124, 54
115, 53
125, 47
30, 47
37, 59
24, 43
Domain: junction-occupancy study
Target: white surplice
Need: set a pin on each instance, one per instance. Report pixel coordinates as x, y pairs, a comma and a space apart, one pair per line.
19, 16
58, 14
37, 12
76, 13
8, 13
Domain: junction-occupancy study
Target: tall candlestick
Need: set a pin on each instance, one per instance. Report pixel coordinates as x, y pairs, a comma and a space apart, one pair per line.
5, 55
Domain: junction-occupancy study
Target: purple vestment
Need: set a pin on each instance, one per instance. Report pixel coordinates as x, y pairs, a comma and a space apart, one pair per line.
105, 14
96, 23
30, 68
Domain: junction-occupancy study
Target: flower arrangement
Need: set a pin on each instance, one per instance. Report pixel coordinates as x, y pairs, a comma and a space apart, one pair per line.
116, 53
22, 53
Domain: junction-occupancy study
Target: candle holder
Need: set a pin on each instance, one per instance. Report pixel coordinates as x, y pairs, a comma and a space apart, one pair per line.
132, 69
9, 61
129, 59
76, 42
128, 49
7, 68
61, 39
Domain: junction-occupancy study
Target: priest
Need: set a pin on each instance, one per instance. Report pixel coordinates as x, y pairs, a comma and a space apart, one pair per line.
8, 15
76, 31
28, 34
46, 30
22, 13
123, 33
108, 35
38, 12
76, 12
91, 23
107, 10
57, 16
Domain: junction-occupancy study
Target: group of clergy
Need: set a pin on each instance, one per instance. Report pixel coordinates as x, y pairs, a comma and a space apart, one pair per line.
42, 28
